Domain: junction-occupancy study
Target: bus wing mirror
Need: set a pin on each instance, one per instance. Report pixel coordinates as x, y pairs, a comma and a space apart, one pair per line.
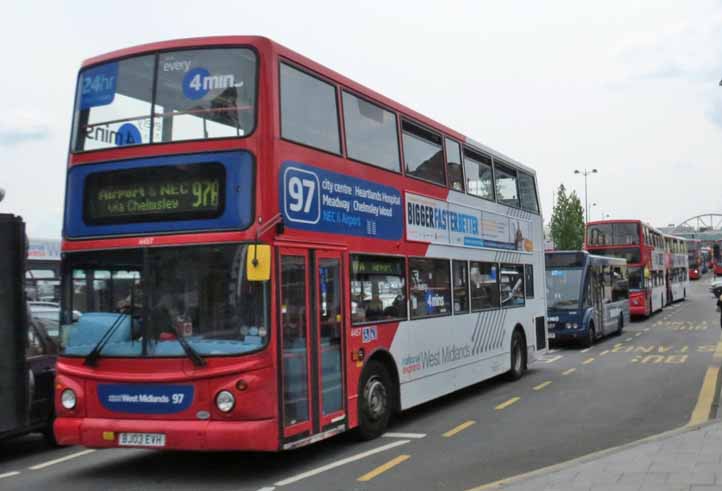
258, 262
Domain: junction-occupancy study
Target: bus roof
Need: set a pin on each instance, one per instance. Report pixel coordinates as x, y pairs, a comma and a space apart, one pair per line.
590, 258
262, 42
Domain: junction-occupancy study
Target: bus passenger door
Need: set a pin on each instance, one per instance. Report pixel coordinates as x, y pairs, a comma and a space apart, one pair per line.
311, 337
329, 315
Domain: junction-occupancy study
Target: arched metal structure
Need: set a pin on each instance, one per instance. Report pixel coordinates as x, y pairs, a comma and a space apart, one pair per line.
708, 222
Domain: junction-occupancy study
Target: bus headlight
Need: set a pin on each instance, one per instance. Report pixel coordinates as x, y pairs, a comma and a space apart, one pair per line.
225, 401
68, 399
571, 325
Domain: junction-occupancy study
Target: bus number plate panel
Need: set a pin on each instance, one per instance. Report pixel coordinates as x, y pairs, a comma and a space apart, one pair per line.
141, 439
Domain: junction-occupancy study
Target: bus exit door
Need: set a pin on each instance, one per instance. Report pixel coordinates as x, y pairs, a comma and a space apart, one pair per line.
311, 336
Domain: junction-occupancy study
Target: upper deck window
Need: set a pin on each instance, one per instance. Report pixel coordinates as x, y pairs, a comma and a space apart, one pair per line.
166, 97
506, 190
479, 179
423, 155
613, 234
370, 133
527, 193
308, 110
453, 163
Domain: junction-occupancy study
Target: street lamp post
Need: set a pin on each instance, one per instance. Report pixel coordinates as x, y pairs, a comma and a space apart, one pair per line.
585, 173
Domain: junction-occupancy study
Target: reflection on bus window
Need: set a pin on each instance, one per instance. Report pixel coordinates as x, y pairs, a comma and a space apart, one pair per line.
512, 285
430, 292
377, 289
484, 286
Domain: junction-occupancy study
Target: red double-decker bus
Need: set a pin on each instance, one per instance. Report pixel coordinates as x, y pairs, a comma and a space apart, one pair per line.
644, 249
265, 253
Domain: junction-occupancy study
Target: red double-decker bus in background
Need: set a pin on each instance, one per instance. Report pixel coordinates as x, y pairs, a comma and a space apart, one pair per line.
694, 258
644, 249
265, 253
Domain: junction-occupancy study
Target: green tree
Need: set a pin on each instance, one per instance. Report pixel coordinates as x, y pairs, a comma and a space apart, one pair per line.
567, 222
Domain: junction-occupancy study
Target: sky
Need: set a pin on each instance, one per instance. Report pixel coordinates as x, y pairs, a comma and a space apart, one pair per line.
629, 88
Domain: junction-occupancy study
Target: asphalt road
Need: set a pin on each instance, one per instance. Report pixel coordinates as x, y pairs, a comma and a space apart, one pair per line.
624, 388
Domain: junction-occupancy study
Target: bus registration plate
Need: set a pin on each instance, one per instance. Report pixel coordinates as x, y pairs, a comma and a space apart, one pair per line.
141, 440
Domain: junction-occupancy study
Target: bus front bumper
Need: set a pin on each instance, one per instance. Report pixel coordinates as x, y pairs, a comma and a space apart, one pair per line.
259, 435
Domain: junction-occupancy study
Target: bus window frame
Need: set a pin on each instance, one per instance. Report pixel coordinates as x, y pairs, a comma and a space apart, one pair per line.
427, 128
156, 54
337, 99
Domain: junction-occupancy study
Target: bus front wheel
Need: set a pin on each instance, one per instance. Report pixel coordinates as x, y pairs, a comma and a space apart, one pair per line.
375, 401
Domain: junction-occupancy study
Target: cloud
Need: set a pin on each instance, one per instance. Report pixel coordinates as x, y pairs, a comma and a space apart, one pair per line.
11, 137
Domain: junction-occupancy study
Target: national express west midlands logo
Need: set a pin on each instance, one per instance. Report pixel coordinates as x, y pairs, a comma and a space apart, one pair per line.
435, 358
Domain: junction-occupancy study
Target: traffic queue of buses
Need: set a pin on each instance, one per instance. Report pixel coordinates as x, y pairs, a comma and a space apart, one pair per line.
265, 253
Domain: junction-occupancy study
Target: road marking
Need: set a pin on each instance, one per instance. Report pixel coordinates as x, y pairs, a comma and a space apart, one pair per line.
542, 385
339, 463
567, 372
587, 361
60, 460
638, 334
414, 436
585, 350
604, 352
384, 467
703, 408
9, 474
457, 429
508, 403
268, 488
628, 340
554, 358
645, 329
552, 351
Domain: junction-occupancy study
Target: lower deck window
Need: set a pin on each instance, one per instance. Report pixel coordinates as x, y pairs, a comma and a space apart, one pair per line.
377, 289
512, 285
484, 286
430, 287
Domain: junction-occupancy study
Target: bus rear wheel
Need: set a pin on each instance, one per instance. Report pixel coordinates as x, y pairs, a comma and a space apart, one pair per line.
375, 401
518, 356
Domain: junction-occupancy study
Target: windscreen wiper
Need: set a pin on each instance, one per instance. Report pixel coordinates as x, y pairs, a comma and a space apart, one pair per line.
94, 354
190, 352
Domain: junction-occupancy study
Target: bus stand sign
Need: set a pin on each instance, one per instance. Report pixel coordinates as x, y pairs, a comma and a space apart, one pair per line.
323, 201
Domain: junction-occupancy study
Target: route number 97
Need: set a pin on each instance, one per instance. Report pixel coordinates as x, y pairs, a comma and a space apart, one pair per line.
301, 196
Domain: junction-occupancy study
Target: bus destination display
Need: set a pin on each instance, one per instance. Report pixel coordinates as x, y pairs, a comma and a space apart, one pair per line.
145, 194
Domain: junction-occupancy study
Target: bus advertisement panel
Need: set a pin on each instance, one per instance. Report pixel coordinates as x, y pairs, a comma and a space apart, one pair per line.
676, 266
261, 253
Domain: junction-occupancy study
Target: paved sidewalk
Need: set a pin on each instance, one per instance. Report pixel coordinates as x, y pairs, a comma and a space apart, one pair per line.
687, 459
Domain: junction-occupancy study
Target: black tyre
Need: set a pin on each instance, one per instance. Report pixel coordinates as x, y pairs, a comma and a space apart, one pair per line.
518, 356
49, 433
591, 336
620, 326
375, 401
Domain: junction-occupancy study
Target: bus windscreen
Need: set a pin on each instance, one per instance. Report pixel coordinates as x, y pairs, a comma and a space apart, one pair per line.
179, 192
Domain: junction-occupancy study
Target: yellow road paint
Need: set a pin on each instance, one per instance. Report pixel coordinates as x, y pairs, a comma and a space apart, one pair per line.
587, 361
628, 340
384, 467
554, 358
458, 429
542, 385
638, 334
604, 352
645, 329
703, 408
567, 372
508, 403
